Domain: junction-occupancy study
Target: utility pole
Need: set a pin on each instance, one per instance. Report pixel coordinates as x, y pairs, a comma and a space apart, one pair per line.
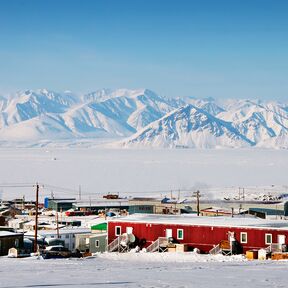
197, 195
36, 218
79, 192
57, 224
61, 215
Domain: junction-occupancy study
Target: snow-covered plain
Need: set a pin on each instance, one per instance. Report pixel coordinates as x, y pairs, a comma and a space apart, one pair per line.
143, 270
136, 172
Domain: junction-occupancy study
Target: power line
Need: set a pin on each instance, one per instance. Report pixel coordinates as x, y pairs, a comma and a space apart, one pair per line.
17, 185
65, 190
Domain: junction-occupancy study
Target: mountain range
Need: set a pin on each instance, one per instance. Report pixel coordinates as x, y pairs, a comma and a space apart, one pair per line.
141, 118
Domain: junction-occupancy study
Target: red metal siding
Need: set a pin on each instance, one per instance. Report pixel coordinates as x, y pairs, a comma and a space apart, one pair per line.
202, 237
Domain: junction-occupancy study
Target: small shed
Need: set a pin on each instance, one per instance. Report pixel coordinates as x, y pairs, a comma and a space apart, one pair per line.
93, 243
9, 240
267, 212
61, 204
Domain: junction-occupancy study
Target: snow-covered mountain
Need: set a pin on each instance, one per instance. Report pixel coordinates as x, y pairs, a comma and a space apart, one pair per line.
207, 104
265, 124
189, 126
101, 114
146, 118
205, 124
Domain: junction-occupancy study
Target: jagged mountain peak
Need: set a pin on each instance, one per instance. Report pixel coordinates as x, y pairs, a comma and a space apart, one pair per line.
207, 104
106, 94
191, 127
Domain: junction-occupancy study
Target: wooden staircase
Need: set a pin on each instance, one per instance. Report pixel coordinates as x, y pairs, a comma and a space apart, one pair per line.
223, 247
216, 250
115, 245
160, 245
274, 247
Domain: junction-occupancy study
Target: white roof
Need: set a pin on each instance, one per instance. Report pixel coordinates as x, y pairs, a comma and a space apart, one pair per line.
61, 231
192, 219
217, 209
103, 203
7, 233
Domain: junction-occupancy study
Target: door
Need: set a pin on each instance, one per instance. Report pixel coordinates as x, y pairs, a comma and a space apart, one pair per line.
168, 233
281, 241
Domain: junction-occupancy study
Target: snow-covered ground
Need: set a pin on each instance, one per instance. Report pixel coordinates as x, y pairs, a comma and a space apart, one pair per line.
144, 270
136, 172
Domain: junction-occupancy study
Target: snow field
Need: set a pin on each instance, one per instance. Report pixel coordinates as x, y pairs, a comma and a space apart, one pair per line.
143, 271
139, 172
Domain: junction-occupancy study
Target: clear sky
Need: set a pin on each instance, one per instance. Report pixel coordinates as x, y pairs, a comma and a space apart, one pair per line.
219, 48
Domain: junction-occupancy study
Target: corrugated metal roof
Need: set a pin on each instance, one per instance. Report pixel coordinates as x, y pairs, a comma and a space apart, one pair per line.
61, 231
8, 233
188, 219
103, 203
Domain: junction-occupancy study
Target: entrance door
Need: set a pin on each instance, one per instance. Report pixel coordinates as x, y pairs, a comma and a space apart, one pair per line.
168, 233
281, 241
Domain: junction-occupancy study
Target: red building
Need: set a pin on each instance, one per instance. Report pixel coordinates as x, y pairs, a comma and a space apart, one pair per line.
203, 233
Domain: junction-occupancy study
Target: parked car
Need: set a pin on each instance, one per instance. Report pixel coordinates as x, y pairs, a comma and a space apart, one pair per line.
57, 251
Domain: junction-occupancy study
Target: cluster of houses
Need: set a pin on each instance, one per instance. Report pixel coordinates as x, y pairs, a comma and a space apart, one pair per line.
113, 224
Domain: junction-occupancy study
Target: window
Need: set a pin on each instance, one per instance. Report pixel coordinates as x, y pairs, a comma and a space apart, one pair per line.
97, 243
180, 234
243, 237
52, 236
117, 230
268, 238
16, 243
67, 236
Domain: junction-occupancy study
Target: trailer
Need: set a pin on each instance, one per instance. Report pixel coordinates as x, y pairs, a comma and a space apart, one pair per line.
208, 234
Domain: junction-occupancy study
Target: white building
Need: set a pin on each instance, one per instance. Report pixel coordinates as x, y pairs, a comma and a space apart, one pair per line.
65, 234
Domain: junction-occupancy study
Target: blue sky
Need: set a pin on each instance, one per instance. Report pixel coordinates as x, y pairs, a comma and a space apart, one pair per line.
223, 48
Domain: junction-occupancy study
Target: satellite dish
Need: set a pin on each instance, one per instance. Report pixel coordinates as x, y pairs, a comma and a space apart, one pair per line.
132, 238
127, 238
124, 239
